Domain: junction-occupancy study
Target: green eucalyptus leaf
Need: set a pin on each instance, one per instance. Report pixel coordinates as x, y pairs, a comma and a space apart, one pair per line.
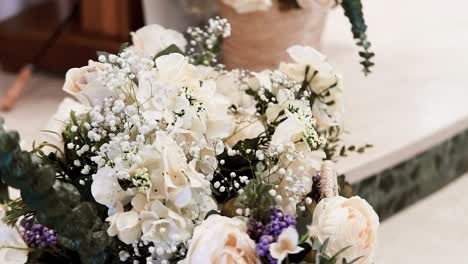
169, 50
303, 219
123, 46
353, 10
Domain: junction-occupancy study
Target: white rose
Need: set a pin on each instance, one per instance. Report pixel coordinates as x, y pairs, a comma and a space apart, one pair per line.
13, 249
83, 83
174, 69
221, 239
152, 39
247, 6
346, 222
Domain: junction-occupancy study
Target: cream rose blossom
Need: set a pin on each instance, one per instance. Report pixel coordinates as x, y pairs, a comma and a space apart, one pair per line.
219, 240
152, 39
346, 222
84, 84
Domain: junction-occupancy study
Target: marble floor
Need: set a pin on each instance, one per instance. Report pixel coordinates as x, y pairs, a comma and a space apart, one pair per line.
433, 231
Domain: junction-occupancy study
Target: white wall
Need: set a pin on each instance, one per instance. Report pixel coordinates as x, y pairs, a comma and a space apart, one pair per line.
9, 8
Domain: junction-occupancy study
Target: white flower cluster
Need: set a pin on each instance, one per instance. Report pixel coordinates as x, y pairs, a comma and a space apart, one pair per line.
205, 42
157, 127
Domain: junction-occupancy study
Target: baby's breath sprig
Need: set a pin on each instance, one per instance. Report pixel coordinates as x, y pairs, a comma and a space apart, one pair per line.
236, 168
204, 45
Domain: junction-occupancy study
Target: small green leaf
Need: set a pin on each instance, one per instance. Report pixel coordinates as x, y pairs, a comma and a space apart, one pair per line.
337, 254
324, 246
343, 151
361, 150
352, 261
124, 46
353, 10
169, 50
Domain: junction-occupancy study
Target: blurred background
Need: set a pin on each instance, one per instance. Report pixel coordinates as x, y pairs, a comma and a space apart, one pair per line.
412, 108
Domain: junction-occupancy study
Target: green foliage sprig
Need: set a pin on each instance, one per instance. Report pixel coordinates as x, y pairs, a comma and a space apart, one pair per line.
204, 44
14, 210
257, 198
322, 258
334, 149
62, 160
353, 11
57, 203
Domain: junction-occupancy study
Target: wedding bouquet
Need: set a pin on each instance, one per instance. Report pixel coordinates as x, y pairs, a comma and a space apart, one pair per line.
165, 159
352, 10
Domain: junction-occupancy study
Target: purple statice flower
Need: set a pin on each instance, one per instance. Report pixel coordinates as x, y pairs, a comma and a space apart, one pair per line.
255, 229
37, 235
263, 245
265, 234
278, 222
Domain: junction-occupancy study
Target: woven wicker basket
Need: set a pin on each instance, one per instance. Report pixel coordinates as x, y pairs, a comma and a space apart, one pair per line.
259, 39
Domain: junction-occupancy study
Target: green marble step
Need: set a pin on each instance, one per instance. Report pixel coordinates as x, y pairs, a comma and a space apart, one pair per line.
398, 187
